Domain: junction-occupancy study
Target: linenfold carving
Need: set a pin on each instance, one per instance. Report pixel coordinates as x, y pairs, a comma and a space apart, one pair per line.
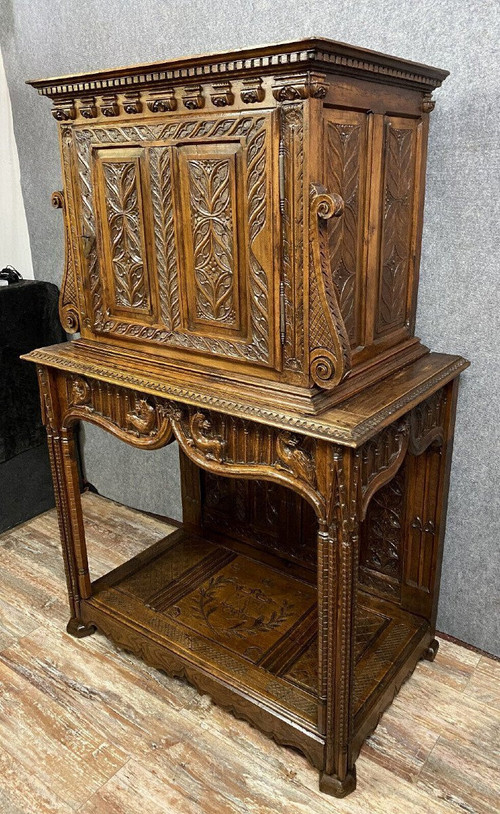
330, 357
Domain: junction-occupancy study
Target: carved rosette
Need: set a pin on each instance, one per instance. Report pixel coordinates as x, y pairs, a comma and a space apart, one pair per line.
252, 91
330, 351
109, 105
162, 101
221, 94
132, 102
64, 111
193, 98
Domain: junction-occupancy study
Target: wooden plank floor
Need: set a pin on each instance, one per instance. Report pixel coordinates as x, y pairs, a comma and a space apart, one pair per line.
84, 727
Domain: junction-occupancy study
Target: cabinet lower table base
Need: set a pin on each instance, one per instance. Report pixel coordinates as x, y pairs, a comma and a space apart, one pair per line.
242, 627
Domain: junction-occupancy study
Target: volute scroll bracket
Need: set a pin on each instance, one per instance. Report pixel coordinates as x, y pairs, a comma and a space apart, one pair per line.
68, 308
330, 355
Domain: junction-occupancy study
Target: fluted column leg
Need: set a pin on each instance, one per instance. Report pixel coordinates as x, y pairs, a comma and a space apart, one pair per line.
62, 453
337, 583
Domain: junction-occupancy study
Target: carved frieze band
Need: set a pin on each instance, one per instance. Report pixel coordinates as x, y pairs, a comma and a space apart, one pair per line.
222, 444
133, 417
227, 445
330, 356
165, 99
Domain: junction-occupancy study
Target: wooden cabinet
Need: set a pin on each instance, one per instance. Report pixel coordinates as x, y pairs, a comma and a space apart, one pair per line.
242, 248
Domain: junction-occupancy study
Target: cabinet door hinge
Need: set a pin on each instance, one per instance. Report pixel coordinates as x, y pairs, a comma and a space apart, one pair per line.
282, 313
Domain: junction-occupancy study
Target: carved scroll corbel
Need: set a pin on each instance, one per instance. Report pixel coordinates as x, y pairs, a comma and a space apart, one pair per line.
330, 357
68, 307
381, 457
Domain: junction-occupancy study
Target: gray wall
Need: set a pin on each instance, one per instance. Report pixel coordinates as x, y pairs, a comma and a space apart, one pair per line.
459, 308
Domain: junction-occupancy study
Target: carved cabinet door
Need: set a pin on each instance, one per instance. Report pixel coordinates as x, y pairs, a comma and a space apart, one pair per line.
179, 234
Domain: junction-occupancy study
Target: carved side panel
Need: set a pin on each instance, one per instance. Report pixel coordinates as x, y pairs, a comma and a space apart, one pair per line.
345, 171
399, 222
382, 538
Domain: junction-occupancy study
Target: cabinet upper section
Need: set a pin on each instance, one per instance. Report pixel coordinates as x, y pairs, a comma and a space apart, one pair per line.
255, 215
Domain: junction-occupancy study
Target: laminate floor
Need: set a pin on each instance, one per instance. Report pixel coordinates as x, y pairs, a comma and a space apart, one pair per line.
87, 728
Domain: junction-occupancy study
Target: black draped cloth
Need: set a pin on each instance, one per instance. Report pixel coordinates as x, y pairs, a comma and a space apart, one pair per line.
28, 320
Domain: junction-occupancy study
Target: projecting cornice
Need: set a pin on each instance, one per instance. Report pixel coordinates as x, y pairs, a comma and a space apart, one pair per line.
315, 53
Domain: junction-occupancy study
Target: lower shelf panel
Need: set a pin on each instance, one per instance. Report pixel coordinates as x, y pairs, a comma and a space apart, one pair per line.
244, 630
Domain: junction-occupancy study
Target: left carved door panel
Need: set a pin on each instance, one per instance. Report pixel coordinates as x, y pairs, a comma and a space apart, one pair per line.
119, 180
181, 235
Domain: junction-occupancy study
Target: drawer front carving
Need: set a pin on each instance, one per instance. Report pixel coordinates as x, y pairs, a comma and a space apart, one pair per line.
179, 223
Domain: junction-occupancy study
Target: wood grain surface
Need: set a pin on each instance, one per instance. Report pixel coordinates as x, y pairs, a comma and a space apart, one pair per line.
85, 727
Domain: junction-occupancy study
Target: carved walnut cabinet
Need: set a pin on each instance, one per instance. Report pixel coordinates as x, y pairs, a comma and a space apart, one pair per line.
242, 248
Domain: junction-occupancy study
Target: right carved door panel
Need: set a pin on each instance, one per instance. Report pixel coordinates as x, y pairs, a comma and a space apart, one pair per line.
179, 228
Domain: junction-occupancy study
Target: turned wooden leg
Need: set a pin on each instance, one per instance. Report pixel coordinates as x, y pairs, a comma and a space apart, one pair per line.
337, 583
62, 453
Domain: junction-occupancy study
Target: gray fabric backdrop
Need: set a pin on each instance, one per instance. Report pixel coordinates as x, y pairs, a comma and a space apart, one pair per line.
459, 304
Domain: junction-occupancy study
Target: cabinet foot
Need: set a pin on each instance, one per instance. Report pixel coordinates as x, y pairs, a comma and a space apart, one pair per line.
79, 629
430, 653
330, 784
